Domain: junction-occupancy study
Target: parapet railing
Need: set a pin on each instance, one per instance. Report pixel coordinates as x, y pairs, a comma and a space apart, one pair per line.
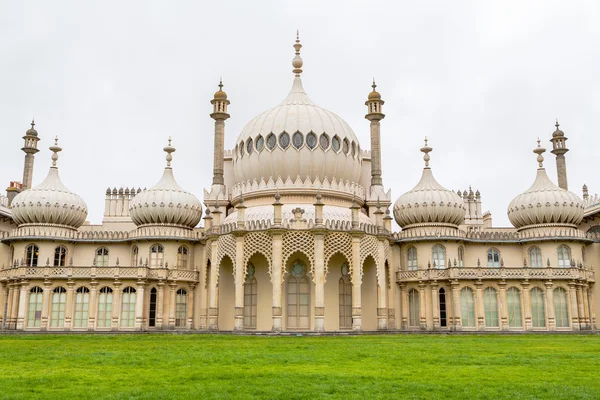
99, 273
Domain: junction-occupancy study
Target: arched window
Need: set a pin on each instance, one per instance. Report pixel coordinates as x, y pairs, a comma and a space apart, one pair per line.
152, 308
411, 255
60, 253
260, 143
324, 141
249, 146
271, 141
490, 300
128, 308
311, 140
135, 254
297, 140
564, 256
157, 253
493, 258
284, 140
538, 312
34, 311
102, 257
461, 256
535, 257
443, 313
82, 301
250, 298
298, 297
467, 307
335, 143
515, 316
181, 308
105, 307
561, 308
346, 146
59, 298
414, 319
345, 298
32, 253
182, 257
438, 253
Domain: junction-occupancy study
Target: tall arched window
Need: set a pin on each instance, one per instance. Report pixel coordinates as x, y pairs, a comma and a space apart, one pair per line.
135, 256
105, 307
538, 312
157, 255
128, 308
34, 311
102, 257
493, 258
182, 257
438, 253
82, 301
414, 318
59, 298
345, 298
411, 255
152, 308
561, 308
467, 306
535, 257
298, 297
181, 308
461, 256
443, 313
490, 300
60, 254
515, 316
564, 256
32, 252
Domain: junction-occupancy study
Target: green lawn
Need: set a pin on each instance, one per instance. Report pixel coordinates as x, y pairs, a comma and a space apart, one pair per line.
355, 367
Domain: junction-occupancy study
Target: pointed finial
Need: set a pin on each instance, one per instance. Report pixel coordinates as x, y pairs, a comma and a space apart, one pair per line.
297, 61
426, 149
169, 149
539, 150
55, 150
557, 124
374, 85
220, 83
32, 123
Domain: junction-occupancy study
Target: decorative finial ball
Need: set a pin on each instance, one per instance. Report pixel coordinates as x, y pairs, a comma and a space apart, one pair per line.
557, 132
297, 62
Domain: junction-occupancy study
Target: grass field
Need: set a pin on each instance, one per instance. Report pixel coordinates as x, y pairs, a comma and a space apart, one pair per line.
355, 367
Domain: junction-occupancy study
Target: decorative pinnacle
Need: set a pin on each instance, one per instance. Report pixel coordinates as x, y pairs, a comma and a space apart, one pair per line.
297, 61
539, 150
169, 149
426, 149
557, 124
374, 85
54, 149
221, 83
32, 123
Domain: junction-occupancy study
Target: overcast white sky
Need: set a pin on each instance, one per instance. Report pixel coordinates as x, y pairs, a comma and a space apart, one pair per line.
481, 79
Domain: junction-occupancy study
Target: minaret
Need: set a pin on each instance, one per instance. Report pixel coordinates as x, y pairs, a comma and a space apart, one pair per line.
219, 114
30, 148
559, 148
374, 105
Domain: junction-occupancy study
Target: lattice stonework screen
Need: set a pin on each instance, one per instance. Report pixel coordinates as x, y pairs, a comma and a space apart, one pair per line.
225, 247
369, 247
303, 242
338, 242
258, 242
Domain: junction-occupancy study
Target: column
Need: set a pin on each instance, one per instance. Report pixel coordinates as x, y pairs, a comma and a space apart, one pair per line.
172, 290
45, 305
319, 282
502, 306
15, 306
456, 308
422, 306
382, 311
550, 306
8, 306
276, 280
93, 306
239, 283
586, 307
160, 301
592, 309
403, 306
139, 305
435, 306
580, 309
527, 306
3, 301
69, 306
479, 306
356, 285
191, 306
573, 304
213, 293
116, 306
22, 306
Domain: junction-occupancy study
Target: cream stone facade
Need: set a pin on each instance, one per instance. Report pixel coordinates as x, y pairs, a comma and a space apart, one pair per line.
296, 235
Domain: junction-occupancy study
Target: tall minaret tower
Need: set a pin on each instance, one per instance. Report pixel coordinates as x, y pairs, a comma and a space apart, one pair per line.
374, 114
219, 114
30, 148
559, 148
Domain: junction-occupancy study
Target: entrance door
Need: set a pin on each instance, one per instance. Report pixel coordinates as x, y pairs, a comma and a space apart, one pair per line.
152, 313
298, 298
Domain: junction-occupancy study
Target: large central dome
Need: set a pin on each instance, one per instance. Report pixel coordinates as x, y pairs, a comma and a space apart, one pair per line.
295, 139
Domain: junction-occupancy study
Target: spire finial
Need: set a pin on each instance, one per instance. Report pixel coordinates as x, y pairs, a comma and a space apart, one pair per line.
426, 149
539, 150
169, 149
557, 124
32, 122
220, 83
374, 85
55, 150
297, 61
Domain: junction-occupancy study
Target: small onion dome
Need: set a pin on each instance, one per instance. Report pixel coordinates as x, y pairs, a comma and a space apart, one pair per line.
557, 132
220, 94
429, 203
374, 95
545, 203
31, 131
166, 203
49, 203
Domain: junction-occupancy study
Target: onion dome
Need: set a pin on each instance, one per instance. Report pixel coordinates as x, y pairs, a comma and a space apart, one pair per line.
31, 131
166, 203
50, 202
220, 94
429, 203
544, 202
297, 138
374, 95
557, 132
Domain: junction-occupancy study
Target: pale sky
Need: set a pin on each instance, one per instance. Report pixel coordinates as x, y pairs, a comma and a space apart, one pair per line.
483, 80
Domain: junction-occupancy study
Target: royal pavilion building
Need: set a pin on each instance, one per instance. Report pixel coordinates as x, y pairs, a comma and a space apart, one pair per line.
295, 234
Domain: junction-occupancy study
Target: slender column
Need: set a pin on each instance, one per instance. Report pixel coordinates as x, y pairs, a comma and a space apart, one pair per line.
172, 290
69, 306
319, 282
422, 306
435, 306
550, 306
239, 283
527, 306
15, 306
382, 311
403, 306
22, 304
3, 304
356, 285
574, 308
219, 114
480, 308
191, 307
93, 306
502, 306
160, 301
277, 280
581, 311
456, 309
586, 307
139, 305
116, 310
592, 309
213, 294
374, 106
45, 305
8, 306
